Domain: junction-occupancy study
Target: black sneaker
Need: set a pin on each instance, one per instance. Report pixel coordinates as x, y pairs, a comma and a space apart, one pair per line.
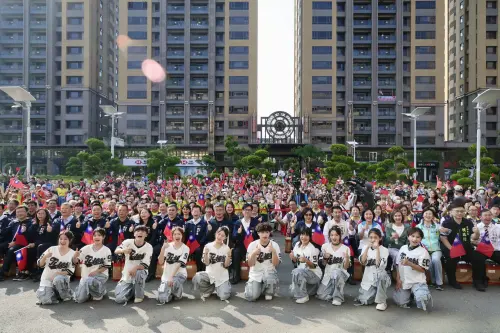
456, 285
439, 287
2, 277
18, 277
36, 278
24, 277
479, 286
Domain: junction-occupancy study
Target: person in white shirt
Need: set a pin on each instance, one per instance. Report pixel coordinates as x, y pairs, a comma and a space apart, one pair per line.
174, 255
217, 258
364, 228
307, 275
95, 261
413, 260
487, 231
263, 256
137, 259
336, 257
375, 278
58, 266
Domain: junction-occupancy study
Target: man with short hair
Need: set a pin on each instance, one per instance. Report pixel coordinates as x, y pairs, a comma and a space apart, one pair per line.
488, 231
52, 208
197, 228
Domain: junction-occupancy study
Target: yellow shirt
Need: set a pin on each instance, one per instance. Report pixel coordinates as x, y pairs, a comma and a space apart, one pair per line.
61, 191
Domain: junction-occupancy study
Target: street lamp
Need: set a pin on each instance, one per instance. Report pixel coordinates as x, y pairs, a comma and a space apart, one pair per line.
483, 101
162, 142
353, 144
417, 112
22, 96
111, 112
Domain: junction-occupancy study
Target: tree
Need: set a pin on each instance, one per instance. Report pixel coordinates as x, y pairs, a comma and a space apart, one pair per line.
96, 161
291, 163
208, 163
488, 168
161, 161
234, 151
340, 165
310, 155
396, 151
338, 149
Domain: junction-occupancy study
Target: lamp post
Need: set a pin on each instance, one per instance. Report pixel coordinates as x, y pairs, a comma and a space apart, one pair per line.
483, 101
111, 112
353, 144
162, 142
417, 112
22, 96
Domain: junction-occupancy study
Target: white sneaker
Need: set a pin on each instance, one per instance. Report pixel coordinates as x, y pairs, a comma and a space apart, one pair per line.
138, 300
302, 300
205, 296
269, 297
67, 299
381, 306
97, 298
336, 302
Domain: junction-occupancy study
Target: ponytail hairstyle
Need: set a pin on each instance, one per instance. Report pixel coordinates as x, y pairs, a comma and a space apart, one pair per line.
376, 232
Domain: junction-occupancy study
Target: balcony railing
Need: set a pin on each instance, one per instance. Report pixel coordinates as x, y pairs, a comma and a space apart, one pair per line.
12, 9
11, 127
175, 53
11, 82
13, 112
199, 54
12, 39
12, 25
175, 128
175, 113
198, 142
175, 24
197, 68
175, 9
199, 84
198, 128
196, 113
199, 9
174, 39
199, 25
362, 83
171, 69
11, 54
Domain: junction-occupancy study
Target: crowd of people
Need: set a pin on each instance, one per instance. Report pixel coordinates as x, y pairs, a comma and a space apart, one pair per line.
397, 232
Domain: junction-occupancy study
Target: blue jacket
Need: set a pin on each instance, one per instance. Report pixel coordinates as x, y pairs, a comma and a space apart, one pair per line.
431, 239
239, 238
199, 231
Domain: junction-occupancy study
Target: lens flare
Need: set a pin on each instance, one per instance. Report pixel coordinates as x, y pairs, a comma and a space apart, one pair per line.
153, 70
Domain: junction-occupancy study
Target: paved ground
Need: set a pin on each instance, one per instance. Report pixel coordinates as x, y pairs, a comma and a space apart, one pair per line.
454, 311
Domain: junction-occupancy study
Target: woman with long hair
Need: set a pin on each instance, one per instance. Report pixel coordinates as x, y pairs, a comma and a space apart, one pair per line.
407, 216
58, 263
231, 212
174, 255
432, 243
375, 279
396, 236
186, 213
146, 219
380, 216
364, 227
336, 258
217, 258
307, 276
45, 238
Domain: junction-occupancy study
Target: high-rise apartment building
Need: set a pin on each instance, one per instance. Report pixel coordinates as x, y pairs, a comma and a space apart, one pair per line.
209, 49
65, 53
360, 64
474, 48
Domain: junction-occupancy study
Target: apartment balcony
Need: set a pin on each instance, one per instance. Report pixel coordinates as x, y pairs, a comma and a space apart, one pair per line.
199, 39
362, 54
387, 9
38, 40
12, 25
198, 128
199, 54
11, 128
362, 39
37, 84
175, 54
387, 69
176, 9
11, 140
362, 98
38, 24
362, 69
387, 84
198, 84
387, 54
175, 98
9, 113
38, 112
18, 82
362, 114
386, 114
362, 129
175, 25
38, 10
11, 55
199, 25
386, 129
38, 128
199, 69
386, 39
174, 128
38, 55
11, 9
362, 9
172, 83
175, 69
11, 40
198, 141
38, 69
175, 114
175, 40
200, 9
362, 84
198, 114
387, 24
365, 24
11, 69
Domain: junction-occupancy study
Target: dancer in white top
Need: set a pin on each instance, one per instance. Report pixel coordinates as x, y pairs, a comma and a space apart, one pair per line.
336, 257
263, 257
174, 255
217, 258
58, 266
95, 261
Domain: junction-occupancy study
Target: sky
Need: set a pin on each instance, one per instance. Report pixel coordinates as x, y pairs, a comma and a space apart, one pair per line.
275, 83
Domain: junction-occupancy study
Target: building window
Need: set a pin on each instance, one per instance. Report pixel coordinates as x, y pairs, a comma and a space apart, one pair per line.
322, 20
321, 50
425, 34
491, 126
73, 35
238, 110
136, 109
321, 80
238, 95
238, 5
426, 125
425, 79
322, 5
321, 109
236, 20
74, 94
238, 80
491, 80
134, 64
491, 20
491, 50
425, 94
425, 4
74, 124
137, 5
75, 5
136, 79
142, 35
74, 139
321, 35
137, 50
74, 79
238, 35
491, 35
425, 64
322, 95
238, 65
321, 65
238, 124
74, 64
491, 4
137, 124
137, 20
136, 94
491, 65
219, 7
74, 50
491, 111
425, 19
74, 109
238, 50
74, 20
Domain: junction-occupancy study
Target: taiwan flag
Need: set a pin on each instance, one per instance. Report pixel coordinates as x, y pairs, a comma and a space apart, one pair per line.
317, 236
22, 259
121, 236
201, 200
87, 235
192, 243
20, 239
16, 183
484, 247
457, 249
168, 232
348, 244
248, 238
